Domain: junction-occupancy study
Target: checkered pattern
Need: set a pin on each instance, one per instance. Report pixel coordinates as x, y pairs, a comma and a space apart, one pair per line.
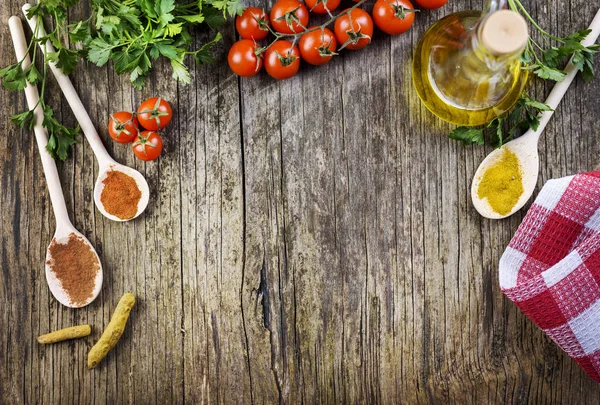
551, 268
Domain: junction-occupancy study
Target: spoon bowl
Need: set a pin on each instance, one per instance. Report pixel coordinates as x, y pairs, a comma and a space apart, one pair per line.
140, 181
62, 235
525, 148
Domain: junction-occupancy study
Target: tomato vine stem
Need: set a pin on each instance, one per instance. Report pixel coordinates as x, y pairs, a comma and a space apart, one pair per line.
278, 35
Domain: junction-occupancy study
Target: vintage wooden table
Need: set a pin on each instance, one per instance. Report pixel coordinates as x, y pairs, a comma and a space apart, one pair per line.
308, 241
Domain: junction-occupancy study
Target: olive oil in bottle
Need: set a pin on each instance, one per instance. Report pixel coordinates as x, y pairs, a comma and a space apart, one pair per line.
466, 67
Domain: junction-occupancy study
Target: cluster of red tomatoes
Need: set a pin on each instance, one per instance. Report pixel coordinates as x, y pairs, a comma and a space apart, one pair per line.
152, 115
353, 29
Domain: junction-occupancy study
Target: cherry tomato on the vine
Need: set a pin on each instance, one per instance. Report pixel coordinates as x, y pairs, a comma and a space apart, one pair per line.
147, 145
355, 30
253, 24
321, 6
318, 47
244, 58
154, 113
289, 16
431, 4
123, 127
393, 16
282, 60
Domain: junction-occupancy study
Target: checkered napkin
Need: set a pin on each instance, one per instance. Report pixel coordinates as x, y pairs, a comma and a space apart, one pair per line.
551, 268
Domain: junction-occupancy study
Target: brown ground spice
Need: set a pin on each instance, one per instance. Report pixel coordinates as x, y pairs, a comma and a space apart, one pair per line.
120, 195
75, 266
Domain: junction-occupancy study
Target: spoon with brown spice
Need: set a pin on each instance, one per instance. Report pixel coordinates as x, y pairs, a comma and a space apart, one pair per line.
125, 187
73, 269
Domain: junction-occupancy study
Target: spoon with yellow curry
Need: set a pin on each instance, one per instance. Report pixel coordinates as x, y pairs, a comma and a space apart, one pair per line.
505, 180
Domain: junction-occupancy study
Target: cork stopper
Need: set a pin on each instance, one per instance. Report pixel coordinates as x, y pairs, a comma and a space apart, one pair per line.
504, 32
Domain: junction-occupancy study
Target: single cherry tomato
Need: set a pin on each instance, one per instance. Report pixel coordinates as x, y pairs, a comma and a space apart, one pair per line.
431, 4
318, 47
355, 30
253, 24
289, 16
393, 16
322, 6
123, 127
154, 113
282, 60
245, 58
147, 145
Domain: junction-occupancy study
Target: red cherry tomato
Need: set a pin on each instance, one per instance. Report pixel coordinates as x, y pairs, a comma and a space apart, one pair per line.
392, 16
154, 113
147, 145
253, 24
282, 60
243, 58
289, 16
431, 4
123, 127
318, 47
357, 33
321, 6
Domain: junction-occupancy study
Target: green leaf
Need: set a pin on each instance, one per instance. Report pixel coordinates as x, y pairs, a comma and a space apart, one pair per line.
180, 71
99, 51
79, 32
33, 75
24, 119
66, 59
194, 19
166, 50
60, 138
578, 36
539, 106
235, 8
173, 29
467, 135
548, 73
204, 54
212, 17
14, 78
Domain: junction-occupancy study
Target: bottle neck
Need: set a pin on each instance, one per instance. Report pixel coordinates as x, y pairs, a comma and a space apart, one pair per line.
500, 35
494, 5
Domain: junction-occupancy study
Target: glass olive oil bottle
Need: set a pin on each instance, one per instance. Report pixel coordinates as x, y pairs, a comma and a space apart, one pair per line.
466, 67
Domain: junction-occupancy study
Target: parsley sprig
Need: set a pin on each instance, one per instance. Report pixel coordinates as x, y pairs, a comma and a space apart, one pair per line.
544, 59
133, 34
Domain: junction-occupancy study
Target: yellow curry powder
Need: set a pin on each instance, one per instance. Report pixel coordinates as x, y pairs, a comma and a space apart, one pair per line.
502, 183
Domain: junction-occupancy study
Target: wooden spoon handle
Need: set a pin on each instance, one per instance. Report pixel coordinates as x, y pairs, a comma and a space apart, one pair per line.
41, 135
70, 94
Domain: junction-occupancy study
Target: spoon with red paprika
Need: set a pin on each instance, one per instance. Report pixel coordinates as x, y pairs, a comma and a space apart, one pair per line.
73, 269
107, 165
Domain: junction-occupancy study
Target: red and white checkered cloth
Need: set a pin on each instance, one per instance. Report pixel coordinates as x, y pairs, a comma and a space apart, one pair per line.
551, 268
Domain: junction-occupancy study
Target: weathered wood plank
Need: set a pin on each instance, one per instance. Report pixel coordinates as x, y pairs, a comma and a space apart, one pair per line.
310, 240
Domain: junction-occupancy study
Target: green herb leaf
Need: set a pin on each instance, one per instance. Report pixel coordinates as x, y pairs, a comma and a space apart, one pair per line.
468, 135
548, 73
24, 119
180, 72
99, 51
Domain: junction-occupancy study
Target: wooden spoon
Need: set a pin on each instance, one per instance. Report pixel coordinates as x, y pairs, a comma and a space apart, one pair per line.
105, 161
64, 227
526, 147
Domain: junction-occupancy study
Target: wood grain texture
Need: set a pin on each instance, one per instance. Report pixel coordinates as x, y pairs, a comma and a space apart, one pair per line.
307, 241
